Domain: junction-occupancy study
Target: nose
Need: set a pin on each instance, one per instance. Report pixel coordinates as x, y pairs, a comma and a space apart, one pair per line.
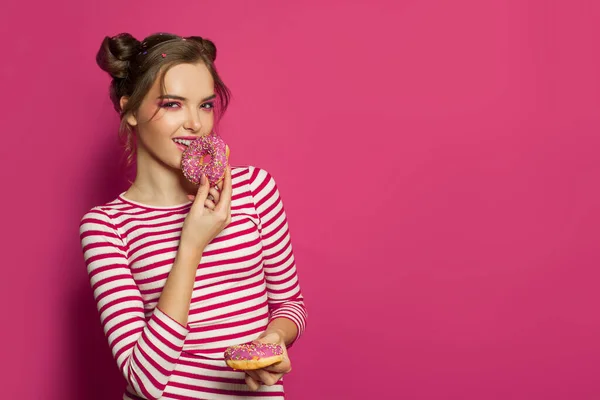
192, 122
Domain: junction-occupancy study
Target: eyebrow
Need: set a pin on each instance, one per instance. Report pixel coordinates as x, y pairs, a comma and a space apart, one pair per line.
175, 97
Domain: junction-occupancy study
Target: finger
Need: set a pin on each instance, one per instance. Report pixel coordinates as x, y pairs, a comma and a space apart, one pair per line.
203, 190
219, 184
254, 376
267, 377
215, 195
252, 373
225, 199
252, 383
209, 204
282, 367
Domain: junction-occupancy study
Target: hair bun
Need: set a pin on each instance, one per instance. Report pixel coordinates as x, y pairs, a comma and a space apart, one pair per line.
208, 47
116, 53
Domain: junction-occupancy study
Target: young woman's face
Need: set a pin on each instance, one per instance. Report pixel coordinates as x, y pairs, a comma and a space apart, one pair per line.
185, 111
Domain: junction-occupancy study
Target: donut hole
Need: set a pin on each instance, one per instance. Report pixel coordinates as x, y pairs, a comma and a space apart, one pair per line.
206, 159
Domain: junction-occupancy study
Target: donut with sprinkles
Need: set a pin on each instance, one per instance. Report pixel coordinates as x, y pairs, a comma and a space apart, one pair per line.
194, 159
250, 356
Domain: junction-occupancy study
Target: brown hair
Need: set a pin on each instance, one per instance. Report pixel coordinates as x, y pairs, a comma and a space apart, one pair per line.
135, 65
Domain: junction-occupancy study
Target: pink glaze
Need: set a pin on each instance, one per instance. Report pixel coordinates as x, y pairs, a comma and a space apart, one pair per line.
252, 351
192, 160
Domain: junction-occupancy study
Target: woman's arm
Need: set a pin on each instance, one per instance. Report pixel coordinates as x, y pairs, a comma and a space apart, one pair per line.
286, 329
177, 293
202, 224
288, 314
148, 352
145, 351
286, 302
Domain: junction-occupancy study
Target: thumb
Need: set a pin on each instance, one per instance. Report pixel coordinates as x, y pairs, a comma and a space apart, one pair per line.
267, 338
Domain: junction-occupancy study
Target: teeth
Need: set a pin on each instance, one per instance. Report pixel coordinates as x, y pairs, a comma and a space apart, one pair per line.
183, 141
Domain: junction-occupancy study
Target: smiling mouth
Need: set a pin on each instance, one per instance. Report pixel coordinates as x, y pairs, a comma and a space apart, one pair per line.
183, 142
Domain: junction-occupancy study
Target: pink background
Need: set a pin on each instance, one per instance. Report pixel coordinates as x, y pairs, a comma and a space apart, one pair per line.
438, 162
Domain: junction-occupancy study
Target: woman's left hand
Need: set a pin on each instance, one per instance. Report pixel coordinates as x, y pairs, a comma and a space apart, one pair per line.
272, 374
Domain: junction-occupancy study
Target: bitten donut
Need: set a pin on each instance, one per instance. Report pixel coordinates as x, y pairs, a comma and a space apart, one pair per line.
193, 163
250, 356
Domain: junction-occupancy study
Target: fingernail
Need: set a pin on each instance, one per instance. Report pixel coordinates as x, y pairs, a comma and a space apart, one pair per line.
203, 179
191, 197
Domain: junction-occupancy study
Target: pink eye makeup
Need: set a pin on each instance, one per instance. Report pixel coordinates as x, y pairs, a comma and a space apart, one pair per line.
175, 102
169, 104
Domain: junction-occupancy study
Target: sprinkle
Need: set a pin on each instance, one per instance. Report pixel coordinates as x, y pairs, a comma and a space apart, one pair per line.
164, 55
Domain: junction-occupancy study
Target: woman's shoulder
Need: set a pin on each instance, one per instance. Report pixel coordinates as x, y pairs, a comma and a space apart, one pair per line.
245, 169
102, 213
250, 173
258, 182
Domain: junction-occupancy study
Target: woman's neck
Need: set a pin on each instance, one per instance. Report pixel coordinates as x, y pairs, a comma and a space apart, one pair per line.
158, 184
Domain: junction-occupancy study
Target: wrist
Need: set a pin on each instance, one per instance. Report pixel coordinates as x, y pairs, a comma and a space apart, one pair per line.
273, 329
285, 328
189, 253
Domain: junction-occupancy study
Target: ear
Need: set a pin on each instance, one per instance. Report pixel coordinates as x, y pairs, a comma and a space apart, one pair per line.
130, 118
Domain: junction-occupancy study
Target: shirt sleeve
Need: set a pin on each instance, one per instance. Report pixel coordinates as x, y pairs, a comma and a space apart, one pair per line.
146, 351
283, 288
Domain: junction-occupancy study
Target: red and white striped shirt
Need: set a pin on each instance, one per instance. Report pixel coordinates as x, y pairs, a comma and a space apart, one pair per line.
246, 278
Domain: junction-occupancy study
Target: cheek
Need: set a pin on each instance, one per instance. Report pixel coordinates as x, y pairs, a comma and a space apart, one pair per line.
208, 121
164, 123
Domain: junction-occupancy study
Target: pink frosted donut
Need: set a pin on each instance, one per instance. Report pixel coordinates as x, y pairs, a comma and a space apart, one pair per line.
193, 162
249, 356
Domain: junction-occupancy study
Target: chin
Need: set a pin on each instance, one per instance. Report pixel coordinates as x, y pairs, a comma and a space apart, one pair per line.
172, 162
176, 165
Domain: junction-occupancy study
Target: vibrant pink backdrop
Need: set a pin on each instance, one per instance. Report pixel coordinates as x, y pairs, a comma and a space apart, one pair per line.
438, 162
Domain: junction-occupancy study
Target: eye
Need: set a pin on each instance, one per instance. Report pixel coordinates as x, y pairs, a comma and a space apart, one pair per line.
170, 104
210, 105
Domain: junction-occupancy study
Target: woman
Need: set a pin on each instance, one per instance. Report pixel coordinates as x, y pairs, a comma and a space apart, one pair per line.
179, 273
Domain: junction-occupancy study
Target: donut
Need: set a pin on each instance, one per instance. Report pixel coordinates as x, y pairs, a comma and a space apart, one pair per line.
193, 163
250, 356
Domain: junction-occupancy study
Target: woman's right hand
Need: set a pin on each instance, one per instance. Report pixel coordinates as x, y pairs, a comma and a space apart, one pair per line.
203, 224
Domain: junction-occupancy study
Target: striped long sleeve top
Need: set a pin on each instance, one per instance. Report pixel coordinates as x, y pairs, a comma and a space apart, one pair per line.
246, 278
